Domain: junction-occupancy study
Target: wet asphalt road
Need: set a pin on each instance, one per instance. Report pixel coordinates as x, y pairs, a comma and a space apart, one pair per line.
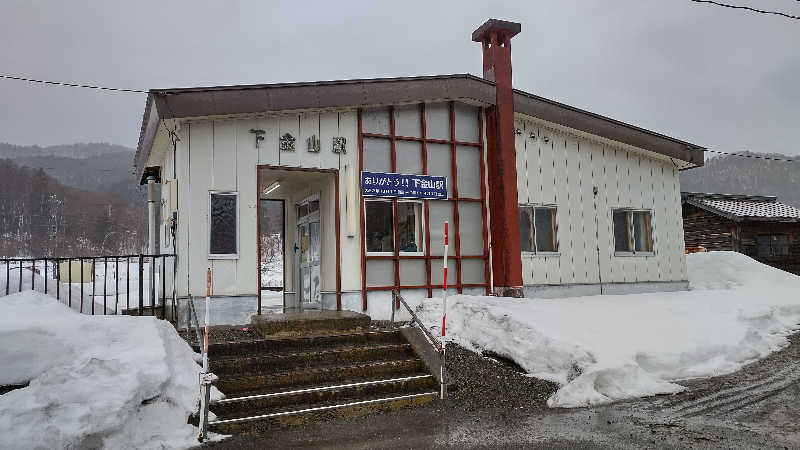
755, 407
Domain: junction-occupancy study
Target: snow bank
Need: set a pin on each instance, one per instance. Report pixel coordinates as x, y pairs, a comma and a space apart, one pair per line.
101, 381
606, 348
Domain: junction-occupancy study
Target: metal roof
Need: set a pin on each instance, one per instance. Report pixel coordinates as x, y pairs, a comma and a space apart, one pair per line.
229, 100
744, 207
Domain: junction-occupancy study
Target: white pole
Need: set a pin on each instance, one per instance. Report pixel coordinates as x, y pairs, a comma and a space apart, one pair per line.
205, 377
444, 313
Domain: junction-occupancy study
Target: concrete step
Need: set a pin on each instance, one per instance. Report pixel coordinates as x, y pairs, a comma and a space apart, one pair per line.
238, 386
309, 322
278, 345
261, 364
259, 404
302, 414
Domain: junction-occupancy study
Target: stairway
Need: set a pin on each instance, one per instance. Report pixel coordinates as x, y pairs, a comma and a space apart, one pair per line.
327, 372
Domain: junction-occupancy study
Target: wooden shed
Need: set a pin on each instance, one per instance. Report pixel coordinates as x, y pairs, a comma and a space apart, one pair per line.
755, 225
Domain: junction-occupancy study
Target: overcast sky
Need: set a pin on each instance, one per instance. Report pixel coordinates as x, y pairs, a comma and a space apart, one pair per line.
721, 78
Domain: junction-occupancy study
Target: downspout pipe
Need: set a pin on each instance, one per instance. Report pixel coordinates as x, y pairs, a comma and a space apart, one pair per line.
151, 215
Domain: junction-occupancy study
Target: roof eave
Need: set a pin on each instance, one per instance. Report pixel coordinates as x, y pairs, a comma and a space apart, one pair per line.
588, 122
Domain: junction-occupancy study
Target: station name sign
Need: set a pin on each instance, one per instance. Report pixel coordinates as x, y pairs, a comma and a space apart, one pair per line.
400, 185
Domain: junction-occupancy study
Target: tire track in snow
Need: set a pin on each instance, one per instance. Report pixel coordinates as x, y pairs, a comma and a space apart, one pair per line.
729, 400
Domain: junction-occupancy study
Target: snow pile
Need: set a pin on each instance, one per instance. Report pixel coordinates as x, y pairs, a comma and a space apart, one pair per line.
606, 348
102, 381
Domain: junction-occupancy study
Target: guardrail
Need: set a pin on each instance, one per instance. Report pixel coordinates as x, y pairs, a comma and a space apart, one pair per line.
98, 285
398, 300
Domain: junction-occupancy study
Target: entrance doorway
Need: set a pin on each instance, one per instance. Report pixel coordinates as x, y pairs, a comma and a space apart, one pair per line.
271, 237
302, 204
309, 253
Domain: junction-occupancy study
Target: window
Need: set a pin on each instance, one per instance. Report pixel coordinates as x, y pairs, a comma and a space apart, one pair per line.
222, 224
379, 230
772, 245
632, 231
537, 229
409, 227
379, 226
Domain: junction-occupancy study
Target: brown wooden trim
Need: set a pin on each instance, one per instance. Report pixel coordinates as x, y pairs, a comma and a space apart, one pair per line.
403, 257
454, 172
338, 245
421, 139
363, 241
424, 133
395, 209
337, 225
294, 169
484, 207
394, 257
422, 286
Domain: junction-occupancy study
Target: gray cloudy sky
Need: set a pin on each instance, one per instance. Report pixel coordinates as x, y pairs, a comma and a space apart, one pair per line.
721, 78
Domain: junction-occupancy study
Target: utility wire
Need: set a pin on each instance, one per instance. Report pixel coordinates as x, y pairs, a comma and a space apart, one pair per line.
742, 155
58, 83
173, 135
761, 11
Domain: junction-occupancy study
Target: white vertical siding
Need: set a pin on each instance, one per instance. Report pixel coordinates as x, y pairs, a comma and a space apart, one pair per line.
347, 127
221, 154
246, 162
200, 176
555, 167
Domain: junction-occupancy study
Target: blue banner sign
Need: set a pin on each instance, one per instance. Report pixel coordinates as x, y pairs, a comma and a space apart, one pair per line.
400, 185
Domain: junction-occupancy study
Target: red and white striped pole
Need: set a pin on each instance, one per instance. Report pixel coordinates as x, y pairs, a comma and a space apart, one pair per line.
444, 312
206, 378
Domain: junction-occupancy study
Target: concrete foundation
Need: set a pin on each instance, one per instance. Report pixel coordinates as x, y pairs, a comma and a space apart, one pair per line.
582, 290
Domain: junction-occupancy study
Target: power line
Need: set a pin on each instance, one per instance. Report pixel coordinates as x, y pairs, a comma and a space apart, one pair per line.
742, 155
761, 11
58, 83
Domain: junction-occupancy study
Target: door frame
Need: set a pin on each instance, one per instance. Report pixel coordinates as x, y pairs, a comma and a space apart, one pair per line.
298, 263
337, 226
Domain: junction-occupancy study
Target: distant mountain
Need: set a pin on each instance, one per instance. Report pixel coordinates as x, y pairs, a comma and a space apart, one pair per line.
94, 167
79, 151
751, 176
39, 216
95, 179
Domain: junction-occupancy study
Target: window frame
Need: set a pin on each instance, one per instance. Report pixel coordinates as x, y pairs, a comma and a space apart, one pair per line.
771, 238
235, 194
631, 230
395, 232
421, 251
535, 251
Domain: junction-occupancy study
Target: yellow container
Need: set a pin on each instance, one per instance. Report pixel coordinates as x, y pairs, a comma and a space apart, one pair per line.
84, 266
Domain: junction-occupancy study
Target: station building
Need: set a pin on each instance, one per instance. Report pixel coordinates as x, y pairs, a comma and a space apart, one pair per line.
355, 179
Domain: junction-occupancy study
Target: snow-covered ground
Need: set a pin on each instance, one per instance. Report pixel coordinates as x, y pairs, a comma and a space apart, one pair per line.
606, 348
95, 381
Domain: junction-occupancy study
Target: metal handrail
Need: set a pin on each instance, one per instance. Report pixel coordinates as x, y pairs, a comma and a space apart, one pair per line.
397, 298
431, 338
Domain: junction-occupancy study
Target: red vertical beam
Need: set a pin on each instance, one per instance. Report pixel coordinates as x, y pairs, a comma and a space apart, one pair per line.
338, 244
423, 134
361, 215
258, 234
454, 170
484, 209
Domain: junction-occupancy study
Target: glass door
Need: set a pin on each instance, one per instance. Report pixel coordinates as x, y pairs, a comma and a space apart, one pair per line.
308, 238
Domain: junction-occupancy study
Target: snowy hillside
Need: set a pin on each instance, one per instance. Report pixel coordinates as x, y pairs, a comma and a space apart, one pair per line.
606, 348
